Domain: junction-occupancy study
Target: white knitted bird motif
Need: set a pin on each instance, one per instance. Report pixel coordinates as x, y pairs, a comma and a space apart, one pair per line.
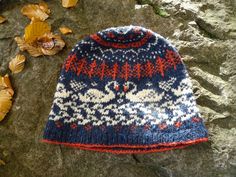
145, 95
97, 96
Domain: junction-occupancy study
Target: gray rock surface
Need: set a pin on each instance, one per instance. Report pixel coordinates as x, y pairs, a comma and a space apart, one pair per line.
203, 31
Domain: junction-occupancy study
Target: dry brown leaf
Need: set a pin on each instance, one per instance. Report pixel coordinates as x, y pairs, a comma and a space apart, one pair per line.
2, 162
38, 40
35, 30
65, 30
6, 93
44, 7
5, 103
2, 19
51, 44
69, 3
48, 44
5, 84
21, 43
17, 64
33, 51
39, 11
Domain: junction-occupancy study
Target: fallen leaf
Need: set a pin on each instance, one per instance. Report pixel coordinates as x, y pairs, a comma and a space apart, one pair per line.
65, 30
6, 93
5, 103
5, 84
38, 11
69, 3
48, 44
17, 64
36, 29
38, 39
33, 51
2, 162
2, 19
44, 7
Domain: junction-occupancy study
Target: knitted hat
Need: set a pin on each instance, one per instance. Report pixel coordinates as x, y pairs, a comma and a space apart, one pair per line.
124, 90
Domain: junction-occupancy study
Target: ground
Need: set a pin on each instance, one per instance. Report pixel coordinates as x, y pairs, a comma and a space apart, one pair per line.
203, 31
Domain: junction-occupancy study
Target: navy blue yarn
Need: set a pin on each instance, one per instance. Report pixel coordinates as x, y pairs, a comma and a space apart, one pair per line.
189, 130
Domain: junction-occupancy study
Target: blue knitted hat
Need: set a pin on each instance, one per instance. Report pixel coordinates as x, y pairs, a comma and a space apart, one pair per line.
124, 90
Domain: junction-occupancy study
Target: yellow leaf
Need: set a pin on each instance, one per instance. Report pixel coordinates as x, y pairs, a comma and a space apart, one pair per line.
5, 84
5, 103
21, 43
17, 64
65, 30
33, 51
51, 44
2, 162
69, 3
44, 7
47, 44
35, 30
2, 19
39, 11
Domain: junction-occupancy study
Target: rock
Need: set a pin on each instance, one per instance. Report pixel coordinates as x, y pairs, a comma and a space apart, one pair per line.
223, 146
137, 6
202, 31
193, 24
220, 24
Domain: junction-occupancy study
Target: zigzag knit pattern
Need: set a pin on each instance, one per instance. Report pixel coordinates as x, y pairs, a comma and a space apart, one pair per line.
124, 90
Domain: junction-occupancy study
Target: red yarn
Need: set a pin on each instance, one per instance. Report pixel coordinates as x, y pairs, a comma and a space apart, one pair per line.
124, 71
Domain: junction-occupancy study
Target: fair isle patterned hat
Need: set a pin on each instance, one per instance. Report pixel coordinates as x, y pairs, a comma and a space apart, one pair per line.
124, 90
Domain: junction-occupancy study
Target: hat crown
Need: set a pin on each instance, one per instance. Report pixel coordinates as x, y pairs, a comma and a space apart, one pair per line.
132, 36
126, 52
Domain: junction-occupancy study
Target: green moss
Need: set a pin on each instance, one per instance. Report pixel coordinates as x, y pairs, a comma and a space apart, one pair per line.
159, 10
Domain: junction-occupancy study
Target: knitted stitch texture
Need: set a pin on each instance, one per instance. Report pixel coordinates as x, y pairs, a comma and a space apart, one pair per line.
124, 90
